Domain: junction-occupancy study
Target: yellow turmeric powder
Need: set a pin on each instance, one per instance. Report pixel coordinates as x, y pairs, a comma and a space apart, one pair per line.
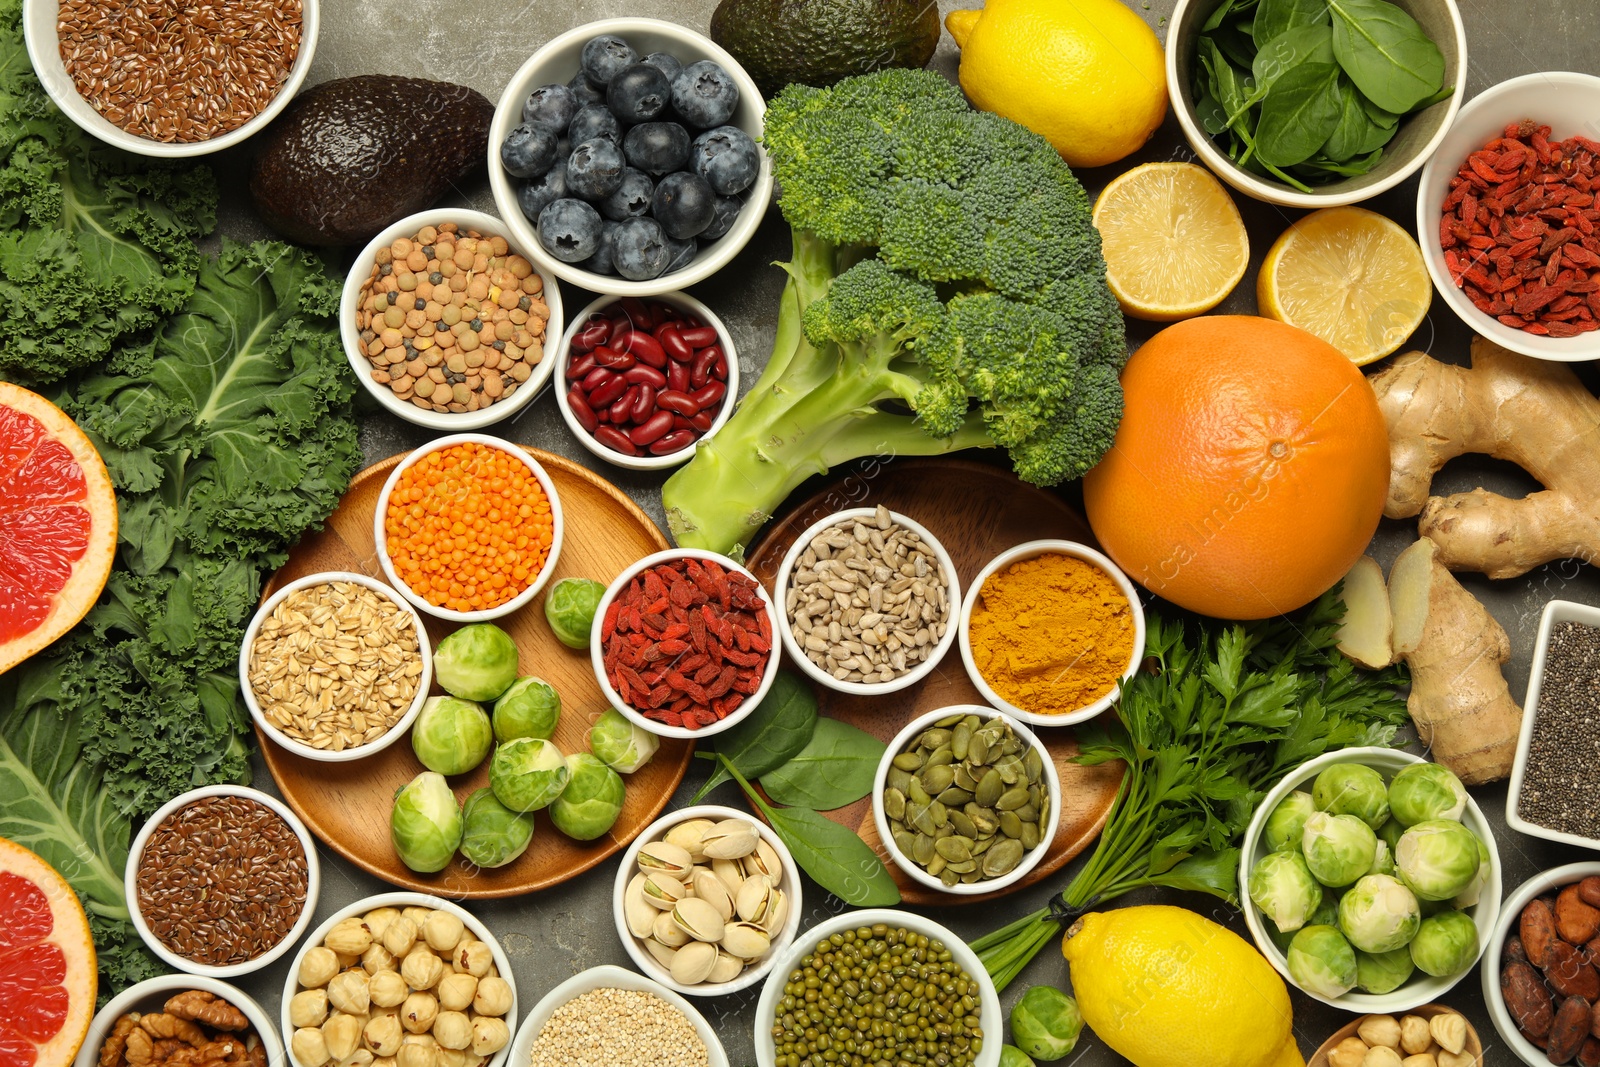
1051, 634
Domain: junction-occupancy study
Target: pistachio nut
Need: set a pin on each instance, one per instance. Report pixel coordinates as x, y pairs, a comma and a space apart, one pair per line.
699, 919
730, 872
726, 969
638, 912
730, 839
660, 857
689, 835
663, 891
763, 861
662, 954
745, 940
753, 898
693, 963
667, 931
777, 912
711, 889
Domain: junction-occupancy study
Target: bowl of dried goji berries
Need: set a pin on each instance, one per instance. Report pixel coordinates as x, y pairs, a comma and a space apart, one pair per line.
687, 643
1507, 214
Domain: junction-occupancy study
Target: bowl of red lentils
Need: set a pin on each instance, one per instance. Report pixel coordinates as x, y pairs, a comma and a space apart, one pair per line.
686, 643
468, 528
446, 324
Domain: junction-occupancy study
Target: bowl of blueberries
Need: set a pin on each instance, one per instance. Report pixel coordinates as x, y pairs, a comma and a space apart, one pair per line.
624, 157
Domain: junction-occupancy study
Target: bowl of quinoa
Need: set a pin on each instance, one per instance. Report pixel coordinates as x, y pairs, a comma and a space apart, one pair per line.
609, 1015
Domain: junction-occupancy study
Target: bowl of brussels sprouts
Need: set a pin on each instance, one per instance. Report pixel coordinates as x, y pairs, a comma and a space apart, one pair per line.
1370, 880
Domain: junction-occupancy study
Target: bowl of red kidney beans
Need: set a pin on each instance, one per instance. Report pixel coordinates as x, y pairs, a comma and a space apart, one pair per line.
643, 380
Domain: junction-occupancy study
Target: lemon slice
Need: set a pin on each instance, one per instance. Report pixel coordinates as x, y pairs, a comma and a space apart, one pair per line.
1174, 243
1349, 276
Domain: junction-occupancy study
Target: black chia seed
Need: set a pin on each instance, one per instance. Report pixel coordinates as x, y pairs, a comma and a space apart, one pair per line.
1560, 787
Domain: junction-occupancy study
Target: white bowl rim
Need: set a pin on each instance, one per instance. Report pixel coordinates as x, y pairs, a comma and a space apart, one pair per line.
394, 733
557, 528
399, 899
902, 739
1031, 550
1420, 989
711, 259
684, 302
597, 658
609, 975
101, 1025
130, 881
358, 274
790, 885
1577, 349
780, 594
1589, 614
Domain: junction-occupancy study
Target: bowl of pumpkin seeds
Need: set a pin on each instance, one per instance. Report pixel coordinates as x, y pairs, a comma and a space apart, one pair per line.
966, 800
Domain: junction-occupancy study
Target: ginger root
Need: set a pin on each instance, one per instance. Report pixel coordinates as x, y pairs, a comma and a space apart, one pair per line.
1366, 633
1534, 413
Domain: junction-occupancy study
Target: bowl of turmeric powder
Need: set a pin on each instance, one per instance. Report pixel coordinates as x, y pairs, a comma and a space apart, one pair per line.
1049, 631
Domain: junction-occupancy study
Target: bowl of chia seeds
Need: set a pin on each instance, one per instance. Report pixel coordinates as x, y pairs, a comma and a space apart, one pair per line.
1554, 791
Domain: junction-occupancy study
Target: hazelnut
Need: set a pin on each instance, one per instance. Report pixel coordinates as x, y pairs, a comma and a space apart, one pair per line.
317, 967
309, 1007
309, 1047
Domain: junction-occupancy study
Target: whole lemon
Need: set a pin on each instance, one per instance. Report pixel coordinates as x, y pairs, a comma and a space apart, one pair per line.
1166, 987
1087, 74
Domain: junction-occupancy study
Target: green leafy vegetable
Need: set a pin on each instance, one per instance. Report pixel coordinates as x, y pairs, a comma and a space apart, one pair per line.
1295, 48
836, 768
1274, 17
1388, 56
771, 736
1299, 114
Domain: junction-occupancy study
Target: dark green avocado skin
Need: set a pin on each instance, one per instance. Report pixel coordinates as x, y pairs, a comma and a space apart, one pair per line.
348, 157
818, 42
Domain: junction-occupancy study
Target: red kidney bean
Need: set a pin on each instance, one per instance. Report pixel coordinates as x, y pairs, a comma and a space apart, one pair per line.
698, 336
675, 441
615, 439
645, 348
692, 321
719, 369
580, 367
701, 423
635, 309
644, 404
592, 336
679, 422
642, 375
700, 369
710, 395
622, 408
678, 376
674, 344
581, 409
607, 392
611, 359
620, 327
595, 379
651, 430
678, 403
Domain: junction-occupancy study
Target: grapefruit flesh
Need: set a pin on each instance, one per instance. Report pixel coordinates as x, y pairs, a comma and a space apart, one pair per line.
47, 964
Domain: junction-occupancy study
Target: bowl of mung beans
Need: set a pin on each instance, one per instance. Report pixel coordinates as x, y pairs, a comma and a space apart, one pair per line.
446, 324
468, 528
814, 991
609, 1014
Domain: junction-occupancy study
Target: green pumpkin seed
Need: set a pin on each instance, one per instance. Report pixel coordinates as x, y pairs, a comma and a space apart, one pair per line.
1033, 765
894, 804
1010, 825
985, 823
908, 761
1003, 858
949, 877
954, 849
933, 738
944, 831
1027, 813
990, 786
936, 780
950, 720
922, 850
953, 797
964, 866
905, 841
963, 824
1009, 769
1012, 799
916, 794
968, 879
939, 757
965, 779
937, 864
978, 749
983, 846
939, 813
959, 738
1030, 836
898, 779
922, 820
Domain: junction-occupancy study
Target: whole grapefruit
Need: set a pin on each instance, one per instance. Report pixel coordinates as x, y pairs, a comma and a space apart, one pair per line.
1249, 472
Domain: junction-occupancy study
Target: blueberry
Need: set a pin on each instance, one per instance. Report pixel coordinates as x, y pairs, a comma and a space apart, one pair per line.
535, 194
665, 62
569, 230
550, 107
680, 253
528, 151
657, 147
605, 57
602, 262
684, 204
594, 170
704, 94
632, 197
727, 158
639, 93
594, 120
639, 250
584, 91
725, 214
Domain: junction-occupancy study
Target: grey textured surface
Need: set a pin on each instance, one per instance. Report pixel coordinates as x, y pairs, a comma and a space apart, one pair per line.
551, 935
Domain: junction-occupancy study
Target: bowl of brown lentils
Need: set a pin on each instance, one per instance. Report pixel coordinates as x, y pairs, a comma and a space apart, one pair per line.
254, 860
446, 323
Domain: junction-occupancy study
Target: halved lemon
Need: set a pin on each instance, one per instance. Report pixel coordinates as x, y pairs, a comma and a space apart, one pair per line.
1349, 276
1175, 245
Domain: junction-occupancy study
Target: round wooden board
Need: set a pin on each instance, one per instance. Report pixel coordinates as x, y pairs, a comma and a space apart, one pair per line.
347, 804
976, 512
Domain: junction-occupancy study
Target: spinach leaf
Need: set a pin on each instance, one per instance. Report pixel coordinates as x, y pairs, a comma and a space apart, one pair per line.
1212, 116
1386, 119
1354, 126
1445, 92
1234, 42
1320, 165
1293, 48
1214, 20
1231, 85
1386, 53
774, 733
835, 769
1275, 17
1298, 115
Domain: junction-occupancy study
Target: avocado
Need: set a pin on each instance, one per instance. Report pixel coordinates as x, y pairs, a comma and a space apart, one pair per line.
350, 156
818, 42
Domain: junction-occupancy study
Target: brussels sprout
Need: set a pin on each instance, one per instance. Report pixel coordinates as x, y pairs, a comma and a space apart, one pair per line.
1446, 944
529, 708
1287, 822
425, 823
1282, 887
1382, 859
1437, 859
1383, 972
1390, 833
1327, 914
1045, 1023
620, 744
477, 662
1012, 1056
494, 835
1338, 848
1424, 791
1352, 789
1321, 961
528, 773
592, 800
569, 608
1379, 914
1469, 896
451, 736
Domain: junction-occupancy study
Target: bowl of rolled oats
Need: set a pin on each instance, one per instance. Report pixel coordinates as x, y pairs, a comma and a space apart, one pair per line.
335, 666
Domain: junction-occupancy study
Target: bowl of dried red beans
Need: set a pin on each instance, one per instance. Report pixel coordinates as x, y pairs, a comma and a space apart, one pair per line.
687, 643
1507, 214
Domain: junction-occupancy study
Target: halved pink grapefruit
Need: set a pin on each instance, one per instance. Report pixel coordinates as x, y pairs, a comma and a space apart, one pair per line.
48, 978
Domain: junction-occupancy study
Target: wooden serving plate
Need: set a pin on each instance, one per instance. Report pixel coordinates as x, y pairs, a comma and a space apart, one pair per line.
976, 512
1474, 1047
347, 804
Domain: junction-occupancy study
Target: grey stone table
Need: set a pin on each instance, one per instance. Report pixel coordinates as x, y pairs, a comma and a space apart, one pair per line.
552, 935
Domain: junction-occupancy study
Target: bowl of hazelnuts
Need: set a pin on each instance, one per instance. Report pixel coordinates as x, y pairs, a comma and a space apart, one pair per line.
1540, 978
1429, 1036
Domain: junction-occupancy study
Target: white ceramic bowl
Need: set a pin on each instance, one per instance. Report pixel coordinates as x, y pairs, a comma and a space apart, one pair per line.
130, 882
902, 741
556, 62
402, 901
1564, 101
540, 580
299, 748
1420, 989
39, 19
149, 995
1510, 914
990, 1019
683, 302
1417, 138
790, 885
607, 976
407, 227
597, 658
1030, 550
1555, 611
